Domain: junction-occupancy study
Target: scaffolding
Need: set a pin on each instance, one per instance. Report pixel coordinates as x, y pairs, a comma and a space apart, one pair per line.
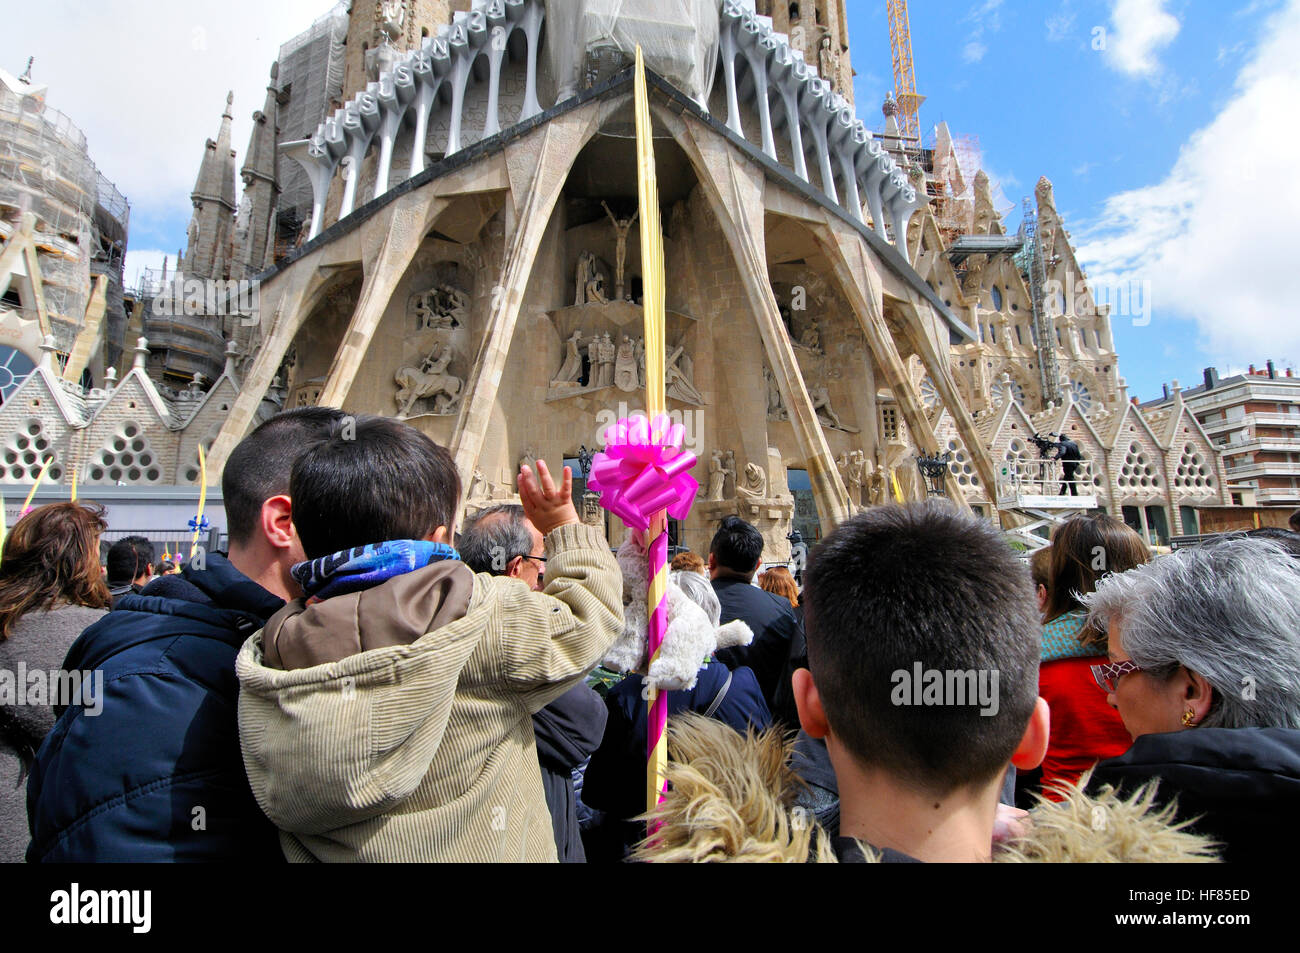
1031, 263
81, 217
310, 78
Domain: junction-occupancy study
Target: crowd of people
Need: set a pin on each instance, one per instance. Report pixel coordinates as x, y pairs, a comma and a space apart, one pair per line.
360, 679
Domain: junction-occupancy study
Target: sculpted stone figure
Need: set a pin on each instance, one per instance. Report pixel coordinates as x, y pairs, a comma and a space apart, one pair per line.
430, 379
754, 484
621, 228
608, 353
677, 383
625, 368
717, 475
571, 369
729, 471
590, 285
775, 406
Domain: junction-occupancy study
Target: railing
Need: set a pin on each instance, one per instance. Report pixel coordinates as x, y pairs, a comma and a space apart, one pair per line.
1264, 468
1045, 478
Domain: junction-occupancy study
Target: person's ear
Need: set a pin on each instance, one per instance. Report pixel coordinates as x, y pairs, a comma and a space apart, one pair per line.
808, 702
514, 568
713, 561
1032, 749
441, 535
277, 522
1198, 694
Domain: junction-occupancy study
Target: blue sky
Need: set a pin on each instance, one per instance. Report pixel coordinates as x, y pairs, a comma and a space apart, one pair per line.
1109, 127
1173, 148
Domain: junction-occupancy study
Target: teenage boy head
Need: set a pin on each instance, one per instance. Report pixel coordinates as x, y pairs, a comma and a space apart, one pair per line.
912, 590
736, 550
373, 480
255, 491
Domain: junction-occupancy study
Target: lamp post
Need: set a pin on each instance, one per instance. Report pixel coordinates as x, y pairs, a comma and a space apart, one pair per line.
933, 472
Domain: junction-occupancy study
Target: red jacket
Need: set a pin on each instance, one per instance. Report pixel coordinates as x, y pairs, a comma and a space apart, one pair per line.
1085, 729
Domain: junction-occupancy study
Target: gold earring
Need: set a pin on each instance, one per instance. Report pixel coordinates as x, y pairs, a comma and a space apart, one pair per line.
1187, 718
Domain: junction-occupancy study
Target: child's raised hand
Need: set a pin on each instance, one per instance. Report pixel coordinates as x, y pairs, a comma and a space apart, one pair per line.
546, 506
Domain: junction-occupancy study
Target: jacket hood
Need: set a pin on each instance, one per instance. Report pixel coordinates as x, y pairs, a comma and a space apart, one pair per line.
731, 799
397, 612
218, 602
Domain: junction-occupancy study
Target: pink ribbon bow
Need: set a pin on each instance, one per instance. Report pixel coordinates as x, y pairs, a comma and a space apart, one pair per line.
643, 470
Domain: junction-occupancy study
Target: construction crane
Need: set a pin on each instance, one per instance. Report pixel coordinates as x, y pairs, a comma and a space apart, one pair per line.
909, 103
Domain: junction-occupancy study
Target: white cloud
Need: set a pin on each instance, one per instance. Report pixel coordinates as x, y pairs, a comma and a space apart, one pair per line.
146, 81
139, 259
984, 17
1215, 239
1060, 23
1140, 29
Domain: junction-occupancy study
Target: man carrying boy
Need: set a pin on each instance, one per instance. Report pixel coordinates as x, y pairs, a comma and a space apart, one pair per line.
387, 716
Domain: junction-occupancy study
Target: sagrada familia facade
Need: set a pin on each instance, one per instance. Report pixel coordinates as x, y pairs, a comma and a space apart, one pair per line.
451, 238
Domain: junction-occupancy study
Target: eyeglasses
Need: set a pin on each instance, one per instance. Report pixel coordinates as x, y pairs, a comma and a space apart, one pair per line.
540, 559
1108, 674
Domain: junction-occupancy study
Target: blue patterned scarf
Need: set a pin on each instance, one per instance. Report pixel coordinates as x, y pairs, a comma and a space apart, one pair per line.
366, 566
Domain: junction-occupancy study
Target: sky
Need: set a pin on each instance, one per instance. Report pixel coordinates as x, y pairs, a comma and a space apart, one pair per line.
1168, 129
1166, 126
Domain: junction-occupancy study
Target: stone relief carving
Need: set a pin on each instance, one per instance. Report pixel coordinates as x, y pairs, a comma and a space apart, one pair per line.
430, 379
443, 306
821, 401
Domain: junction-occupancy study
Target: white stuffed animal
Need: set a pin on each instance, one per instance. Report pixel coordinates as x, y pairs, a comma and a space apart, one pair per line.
693, 631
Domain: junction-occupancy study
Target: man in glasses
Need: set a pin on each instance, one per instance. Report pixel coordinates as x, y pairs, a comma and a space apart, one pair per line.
501, 541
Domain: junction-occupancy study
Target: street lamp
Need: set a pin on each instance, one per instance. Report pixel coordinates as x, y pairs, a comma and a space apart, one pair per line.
933, 471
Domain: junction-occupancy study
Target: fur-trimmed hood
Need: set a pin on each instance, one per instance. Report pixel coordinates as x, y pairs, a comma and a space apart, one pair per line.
732, 800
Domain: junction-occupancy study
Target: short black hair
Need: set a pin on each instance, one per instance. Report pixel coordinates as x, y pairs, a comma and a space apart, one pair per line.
1294, 521
493, 537
923, 584
127, 559
737, 545
371, 481
259, 466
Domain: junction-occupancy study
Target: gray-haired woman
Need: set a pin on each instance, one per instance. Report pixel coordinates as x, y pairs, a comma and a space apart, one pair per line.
1204, 669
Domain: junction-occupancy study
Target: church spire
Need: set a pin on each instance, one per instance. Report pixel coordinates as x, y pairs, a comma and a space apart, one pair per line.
256, 250
211, 225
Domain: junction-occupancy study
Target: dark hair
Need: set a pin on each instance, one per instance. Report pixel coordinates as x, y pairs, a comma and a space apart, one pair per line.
1294, 521
51, 556
1085, 548
1284, 536
779, 581
1040, 568
922, 584
738, 546
494, 537
372, 480
259, 466
128, 558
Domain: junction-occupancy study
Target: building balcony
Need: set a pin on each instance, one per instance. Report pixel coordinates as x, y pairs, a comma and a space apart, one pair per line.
1253, 470
1277, 495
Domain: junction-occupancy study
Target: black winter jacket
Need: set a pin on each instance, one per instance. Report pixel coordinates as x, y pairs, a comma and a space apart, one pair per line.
1243, 784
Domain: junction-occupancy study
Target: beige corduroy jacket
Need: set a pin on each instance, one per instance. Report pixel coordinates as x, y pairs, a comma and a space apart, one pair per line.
424, 751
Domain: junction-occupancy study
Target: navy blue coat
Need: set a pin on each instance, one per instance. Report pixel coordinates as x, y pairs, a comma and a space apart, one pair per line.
158, 774
778, 634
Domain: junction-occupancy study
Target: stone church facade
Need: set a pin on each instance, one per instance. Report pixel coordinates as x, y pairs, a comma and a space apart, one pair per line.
473, 266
